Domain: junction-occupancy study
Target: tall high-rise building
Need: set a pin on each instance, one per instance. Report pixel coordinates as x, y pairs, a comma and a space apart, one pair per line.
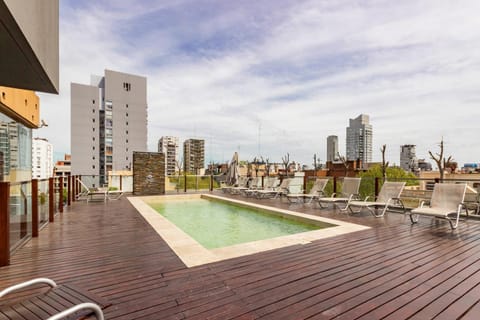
408, 158
332, 148
42, 159
168, 145
108, 123
359, 139
194, 155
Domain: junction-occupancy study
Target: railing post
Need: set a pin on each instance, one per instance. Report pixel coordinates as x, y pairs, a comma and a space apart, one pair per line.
4, 223
60, 198
305, 184
79, 188
263, 182
74, 189
121, 187
51, 200
185, 183
69, 190
377, 188
211, 183
335, 185
35, 208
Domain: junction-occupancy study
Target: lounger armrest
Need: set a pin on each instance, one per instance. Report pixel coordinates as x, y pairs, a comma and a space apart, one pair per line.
25, 284
87, 305
366, 199
463, 206
424, 202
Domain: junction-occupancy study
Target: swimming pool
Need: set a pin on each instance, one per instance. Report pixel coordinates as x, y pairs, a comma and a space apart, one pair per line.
193, 253
216, 224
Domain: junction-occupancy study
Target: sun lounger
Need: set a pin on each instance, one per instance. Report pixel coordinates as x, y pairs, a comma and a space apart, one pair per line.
92, 194
274, 192
349, 193
389, 196
59, 302
446, 203
316, 192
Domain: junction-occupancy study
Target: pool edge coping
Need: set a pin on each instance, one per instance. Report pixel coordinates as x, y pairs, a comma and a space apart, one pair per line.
193, 254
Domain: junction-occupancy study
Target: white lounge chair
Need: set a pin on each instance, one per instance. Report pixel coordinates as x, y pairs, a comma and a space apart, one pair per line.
446, 203
65, 302
242, 185
275, 191
349, 193
388, 196
92, 193
316, 192
255, 185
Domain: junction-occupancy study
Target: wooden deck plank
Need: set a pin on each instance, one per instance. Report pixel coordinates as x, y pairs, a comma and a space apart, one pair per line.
111, 251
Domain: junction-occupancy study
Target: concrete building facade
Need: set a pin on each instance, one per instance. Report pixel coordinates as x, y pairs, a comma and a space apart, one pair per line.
332, 148
108, 123
42, 159
29, 45
360, 139
194, 155
168, 145
408, 158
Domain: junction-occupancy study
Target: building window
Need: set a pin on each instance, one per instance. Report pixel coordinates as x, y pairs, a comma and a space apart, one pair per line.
127, 86
127, 131
93, 101
93, 110
126, 114
93, 166
93, 138
127, 123
126, 106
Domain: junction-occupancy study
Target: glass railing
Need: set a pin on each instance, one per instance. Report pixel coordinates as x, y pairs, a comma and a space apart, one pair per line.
43, 202
20, 208
192, 183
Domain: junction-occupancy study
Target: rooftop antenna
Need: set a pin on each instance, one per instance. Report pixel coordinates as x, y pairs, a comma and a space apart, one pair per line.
259, 136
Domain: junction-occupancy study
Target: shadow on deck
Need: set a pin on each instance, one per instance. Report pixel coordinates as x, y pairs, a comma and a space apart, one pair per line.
393, 270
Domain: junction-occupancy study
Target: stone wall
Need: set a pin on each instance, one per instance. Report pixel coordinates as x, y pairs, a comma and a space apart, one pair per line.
148, 173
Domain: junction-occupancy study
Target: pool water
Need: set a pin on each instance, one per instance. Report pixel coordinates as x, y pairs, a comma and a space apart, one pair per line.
216, 224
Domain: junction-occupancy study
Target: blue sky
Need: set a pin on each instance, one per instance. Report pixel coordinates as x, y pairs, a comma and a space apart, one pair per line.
273, 77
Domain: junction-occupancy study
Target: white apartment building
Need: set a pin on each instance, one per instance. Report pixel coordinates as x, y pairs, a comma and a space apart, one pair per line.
42, 159
194, 155
108, 123
168, 145
332, 148
360, 139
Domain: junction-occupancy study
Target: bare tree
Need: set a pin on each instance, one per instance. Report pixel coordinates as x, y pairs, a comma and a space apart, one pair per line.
440, 160
286, 161
343, 160
267, 167
384, 164
179, 165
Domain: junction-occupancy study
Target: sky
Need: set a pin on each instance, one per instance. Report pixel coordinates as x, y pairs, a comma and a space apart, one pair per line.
271, 77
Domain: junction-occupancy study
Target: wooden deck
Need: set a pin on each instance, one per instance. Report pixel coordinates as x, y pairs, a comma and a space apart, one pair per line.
391, 271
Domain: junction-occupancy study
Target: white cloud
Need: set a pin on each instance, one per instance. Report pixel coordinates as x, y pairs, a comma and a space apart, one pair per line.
298, 71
